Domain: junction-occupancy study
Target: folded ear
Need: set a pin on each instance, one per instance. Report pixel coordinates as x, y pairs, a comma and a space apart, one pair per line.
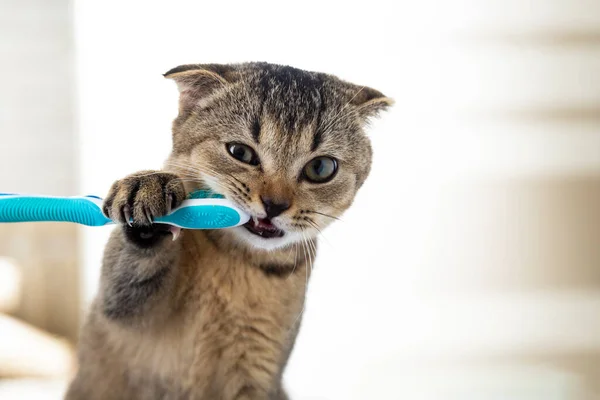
369, 102
197, 81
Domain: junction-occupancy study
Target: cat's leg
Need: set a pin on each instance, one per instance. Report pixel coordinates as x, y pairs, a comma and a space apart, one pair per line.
101, 374
137, 276
97, 381
139, 259
280, 394
254, 360
251, 370
254, 391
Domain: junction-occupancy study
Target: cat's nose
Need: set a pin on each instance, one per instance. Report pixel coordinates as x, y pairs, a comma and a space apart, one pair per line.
274, 207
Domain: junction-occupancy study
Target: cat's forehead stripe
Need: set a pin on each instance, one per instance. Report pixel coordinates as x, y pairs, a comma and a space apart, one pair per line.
256, 129
318, 133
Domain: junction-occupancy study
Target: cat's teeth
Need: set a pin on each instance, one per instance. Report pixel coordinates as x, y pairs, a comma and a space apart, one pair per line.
175, 231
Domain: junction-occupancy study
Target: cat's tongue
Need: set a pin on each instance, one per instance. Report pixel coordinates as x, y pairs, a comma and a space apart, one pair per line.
263, 228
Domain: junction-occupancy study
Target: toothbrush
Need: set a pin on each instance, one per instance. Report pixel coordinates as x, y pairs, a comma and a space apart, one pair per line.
202, 210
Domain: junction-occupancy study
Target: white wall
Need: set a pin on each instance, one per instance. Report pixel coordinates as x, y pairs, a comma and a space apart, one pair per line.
368, 312
38, 153
36, 98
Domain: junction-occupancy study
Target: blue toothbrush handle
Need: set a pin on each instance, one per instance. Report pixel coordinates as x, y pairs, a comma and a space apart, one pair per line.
210, 212
23, 208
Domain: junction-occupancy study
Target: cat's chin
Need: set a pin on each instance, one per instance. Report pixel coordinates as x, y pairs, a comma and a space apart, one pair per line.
255, 241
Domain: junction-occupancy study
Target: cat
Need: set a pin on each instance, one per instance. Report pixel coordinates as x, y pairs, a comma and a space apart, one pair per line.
214, 314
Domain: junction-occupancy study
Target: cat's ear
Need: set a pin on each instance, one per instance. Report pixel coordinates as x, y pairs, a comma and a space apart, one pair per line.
197, 81
369, 102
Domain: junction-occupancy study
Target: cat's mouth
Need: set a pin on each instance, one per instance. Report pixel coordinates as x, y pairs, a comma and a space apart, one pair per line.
264, 228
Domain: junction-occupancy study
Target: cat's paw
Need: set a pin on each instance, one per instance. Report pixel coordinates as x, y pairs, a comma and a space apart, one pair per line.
139, 198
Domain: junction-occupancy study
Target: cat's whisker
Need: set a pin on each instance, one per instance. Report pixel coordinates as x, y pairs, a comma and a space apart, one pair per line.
185, 168
308, 250
203, 169
189, 180
288, 258
305, 285
316, 226
313, 248
207, 171
150, 174
198, 170
312, 255
295, 261
231, 178
177, 164
325, 215
216, 175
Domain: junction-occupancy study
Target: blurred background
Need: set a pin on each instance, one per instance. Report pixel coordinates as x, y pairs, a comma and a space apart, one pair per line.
483, 280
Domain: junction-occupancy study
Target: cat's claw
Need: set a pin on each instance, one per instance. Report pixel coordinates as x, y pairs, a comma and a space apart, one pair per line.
127, 215
148, 215
175, 231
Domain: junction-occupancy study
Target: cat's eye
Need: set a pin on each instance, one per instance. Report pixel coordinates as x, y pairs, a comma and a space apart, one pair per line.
243, 153
320, 169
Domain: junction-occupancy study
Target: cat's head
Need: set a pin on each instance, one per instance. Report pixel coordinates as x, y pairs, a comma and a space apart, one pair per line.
286, 145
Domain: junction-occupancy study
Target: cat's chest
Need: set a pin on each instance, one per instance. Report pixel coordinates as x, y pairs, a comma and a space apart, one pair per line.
225, 311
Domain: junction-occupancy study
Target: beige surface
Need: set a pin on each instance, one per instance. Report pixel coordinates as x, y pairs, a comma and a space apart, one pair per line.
32, 389
10, 285
47, 257
29, 352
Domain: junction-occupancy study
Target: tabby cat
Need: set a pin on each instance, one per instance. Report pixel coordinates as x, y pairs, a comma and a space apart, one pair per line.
214, 314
